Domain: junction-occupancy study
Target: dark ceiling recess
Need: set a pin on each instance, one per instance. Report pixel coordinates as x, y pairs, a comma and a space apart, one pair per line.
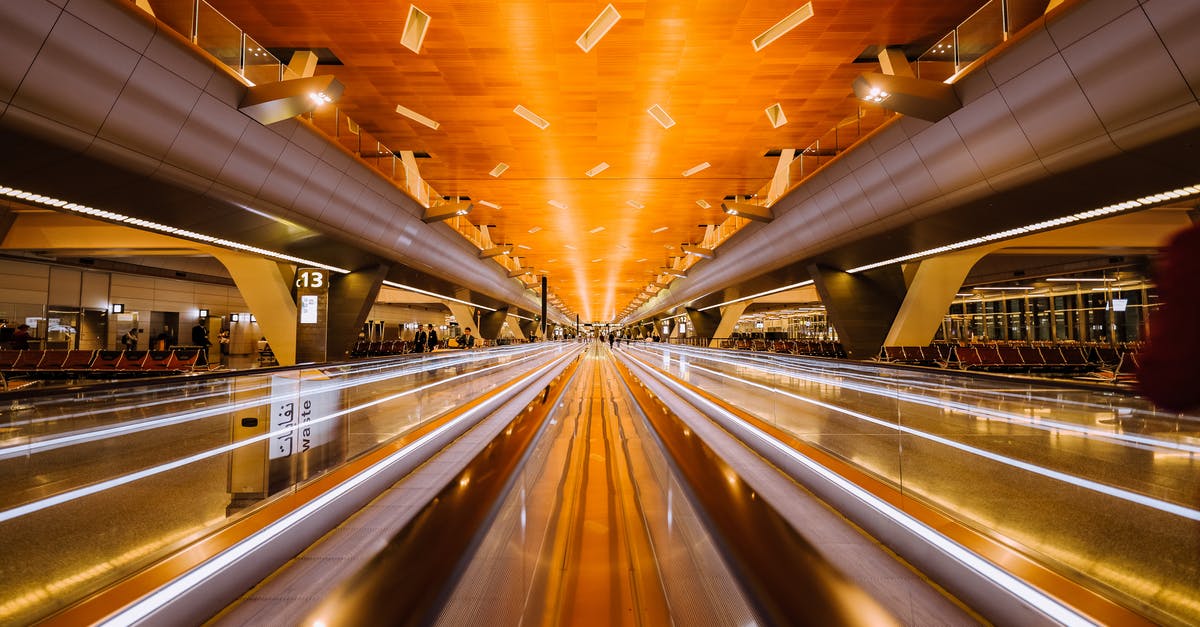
416, 155
457, 198
325, 56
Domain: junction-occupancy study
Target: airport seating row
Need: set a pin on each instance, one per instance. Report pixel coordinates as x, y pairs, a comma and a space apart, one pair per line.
1101, 360
812, 348
364, 348
92, 363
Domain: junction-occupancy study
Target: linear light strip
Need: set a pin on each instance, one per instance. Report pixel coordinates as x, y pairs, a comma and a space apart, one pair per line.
436, 295
696, 168
500, 168
1182, 192
600, 167
1013, 585
154, 226
782, 27
531, 117
416, 117
139, 610
1079, 482
598, 28
78, 493
760, 294
661, 116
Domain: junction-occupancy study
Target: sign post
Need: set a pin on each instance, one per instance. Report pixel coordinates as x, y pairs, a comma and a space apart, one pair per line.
312, 311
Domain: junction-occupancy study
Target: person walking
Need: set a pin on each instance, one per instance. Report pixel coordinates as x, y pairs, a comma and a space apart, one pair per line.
200, 338
420, 339
431, 338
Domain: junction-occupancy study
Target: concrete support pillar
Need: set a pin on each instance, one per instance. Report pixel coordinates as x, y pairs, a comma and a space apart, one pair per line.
490, 323
704, 323
514, 325
269, 294
350, 299
860, 306
464, 315
730, 314
932, 284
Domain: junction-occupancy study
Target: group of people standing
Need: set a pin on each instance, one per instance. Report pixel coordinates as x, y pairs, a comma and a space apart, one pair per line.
425, 339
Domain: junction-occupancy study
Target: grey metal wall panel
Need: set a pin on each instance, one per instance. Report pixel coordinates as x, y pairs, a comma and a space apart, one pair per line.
167, 50
910, 176
992, 135
1176, 23
132, 161
320, 186
253, 158
853, 202
1164, 125
152, 109
941, 144
1050, 108
878, 186
288, 177
862, 154
973, 87
1145, 83
208, 137
1035, 47
342, 202
25, 26
1068, 27
110, 18
77, 76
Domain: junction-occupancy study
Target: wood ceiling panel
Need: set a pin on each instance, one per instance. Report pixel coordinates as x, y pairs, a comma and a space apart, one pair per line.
481, 59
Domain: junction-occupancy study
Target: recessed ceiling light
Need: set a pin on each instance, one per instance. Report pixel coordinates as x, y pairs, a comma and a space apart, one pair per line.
416, 117
500, 168
531, 117
640, 260
552, 260
660, 116
598, 259
599, 168
596, 230
635, 204
659, 229
695, 169
555, 203
415, 26
535, 229
524, 246
489, 204
776, 116
780, 29
568, 247
598, 28
703, 203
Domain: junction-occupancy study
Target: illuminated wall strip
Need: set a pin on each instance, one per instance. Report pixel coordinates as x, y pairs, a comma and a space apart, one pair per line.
154, 226
435, 295
1182, 192
88, 490
760, 294
1005, 580
140, 610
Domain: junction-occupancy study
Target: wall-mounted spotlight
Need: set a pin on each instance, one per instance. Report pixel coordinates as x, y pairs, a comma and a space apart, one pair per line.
118, 308
496, 251
275, 102
748, 211
446, 211
924, 99
698, 251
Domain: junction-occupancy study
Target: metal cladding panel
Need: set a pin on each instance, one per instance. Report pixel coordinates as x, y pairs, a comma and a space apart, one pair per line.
24, 142
886, 139
152, 109
208, 137
288, 177
114, 19
1144, 84
1176, 24
1050, 108
182, 178
167, 50
285, 128
910, 176
974, 86
992, 136
878, 186
339, 205
1082, 153
1068, 27
336, 156
1177, 121
853, 202
77, 76
129, 160
318, 189
941, 144
224, 87
862, 154
1035, 46
26, 26
252, 159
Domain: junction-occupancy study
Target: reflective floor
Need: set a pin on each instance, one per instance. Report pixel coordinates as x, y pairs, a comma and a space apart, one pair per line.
1099, 486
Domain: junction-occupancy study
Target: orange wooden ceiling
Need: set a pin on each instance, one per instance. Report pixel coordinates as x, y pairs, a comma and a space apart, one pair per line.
482, 58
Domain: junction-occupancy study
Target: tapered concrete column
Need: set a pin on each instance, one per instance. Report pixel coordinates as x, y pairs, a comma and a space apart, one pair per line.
269, 294
730, 314
514, 325
351, 297
704, 323
931, 289
464, 315
528, 327
860, 306
490, 323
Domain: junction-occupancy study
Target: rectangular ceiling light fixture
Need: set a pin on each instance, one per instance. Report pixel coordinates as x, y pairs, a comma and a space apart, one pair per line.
599, 168
531, 117
414, 29
776, 116
489, 204
500, 168
598, 29
596, 230
796, 18
703, 203
598, 260
416, 117
635, 204
524, 247
661, 116
555, 203
535, 229
643, 259
659, 229
693, 170
568, 247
